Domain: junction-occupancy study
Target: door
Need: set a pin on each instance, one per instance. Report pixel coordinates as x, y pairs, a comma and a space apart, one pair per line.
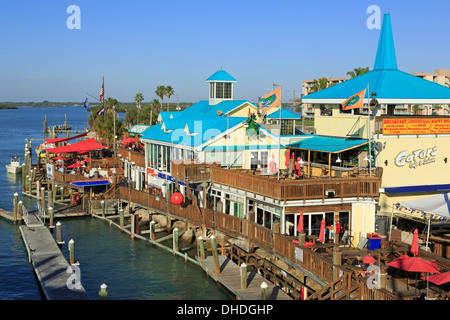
259, 160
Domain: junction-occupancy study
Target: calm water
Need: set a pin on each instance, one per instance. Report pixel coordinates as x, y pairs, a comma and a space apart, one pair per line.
131, 269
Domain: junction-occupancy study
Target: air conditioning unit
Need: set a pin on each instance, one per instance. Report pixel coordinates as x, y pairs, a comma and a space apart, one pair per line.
330, 193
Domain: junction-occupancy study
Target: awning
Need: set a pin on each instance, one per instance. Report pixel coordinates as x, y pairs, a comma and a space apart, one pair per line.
56, 140
434, 207
86, 145
328, 144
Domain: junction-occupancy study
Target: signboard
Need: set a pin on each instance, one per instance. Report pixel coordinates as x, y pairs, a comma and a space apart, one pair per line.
50, 168
298, 254
416, 126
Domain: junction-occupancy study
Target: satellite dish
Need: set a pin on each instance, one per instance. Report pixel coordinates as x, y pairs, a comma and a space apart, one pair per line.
219, 112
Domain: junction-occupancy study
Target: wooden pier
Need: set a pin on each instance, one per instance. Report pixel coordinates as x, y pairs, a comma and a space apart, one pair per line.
54, 273
230, 278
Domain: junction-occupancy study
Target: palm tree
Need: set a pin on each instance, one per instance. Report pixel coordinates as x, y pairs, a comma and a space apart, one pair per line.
168, 92
357, 72
437, 108
160, 93
109, 103
153, 105
320, 84
138, 98
416, 108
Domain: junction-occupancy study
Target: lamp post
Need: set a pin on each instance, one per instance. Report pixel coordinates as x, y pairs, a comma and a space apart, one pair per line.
114, 109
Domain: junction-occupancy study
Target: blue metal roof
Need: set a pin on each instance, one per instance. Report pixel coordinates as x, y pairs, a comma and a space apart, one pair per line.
385, 79
285, 114
327, 144
204, 108
221, 75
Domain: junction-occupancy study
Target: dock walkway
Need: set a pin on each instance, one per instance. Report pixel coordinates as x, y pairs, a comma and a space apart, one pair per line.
230, 278
49, 264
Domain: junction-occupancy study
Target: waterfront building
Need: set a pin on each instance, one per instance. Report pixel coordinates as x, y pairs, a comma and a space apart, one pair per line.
411, 151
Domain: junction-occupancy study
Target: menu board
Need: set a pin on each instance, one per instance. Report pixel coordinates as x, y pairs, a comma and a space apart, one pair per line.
416, 126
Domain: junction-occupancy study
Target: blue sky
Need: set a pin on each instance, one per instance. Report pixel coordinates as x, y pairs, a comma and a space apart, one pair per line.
140, 44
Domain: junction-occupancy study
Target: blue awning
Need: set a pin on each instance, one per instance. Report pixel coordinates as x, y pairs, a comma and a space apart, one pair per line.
328, 144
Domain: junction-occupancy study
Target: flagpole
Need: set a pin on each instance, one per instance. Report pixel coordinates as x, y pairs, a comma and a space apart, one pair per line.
368, 127
279, 138
103, 86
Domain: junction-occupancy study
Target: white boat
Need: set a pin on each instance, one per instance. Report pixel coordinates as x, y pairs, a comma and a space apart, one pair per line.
14, 166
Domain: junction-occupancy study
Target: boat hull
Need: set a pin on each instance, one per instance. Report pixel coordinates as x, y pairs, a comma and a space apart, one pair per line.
13, 169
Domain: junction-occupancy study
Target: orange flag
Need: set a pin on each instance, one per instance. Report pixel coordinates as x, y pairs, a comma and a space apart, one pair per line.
355, 101
270, 100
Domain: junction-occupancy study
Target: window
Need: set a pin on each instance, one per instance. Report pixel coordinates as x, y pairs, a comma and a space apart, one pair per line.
223, 90
211, 90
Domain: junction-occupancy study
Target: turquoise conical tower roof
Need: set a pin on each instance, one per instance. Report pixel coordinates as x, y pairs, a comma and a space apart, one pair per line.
385, 58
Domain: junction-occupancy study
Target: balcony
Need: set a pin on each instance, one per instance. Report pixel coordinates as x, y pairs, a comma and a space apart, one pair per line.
138, 157
189, 171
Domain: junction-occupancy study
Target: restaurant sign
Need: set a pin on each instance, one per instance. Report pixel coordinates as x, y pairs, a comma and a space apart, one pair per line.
416, 158
416, 126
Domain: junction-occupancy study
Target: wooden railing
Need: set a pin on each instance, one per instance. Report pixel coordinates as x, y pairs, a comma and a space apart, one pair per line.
304, 189
138, 157
346, 286
191, 172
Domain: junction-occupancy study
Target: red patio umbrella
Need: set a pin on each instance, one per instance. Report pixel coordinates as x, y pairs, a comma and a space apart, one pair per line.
75, 165
87, 159
415, 243
322, 231
59, 158
439, 278
300, 223
414, 264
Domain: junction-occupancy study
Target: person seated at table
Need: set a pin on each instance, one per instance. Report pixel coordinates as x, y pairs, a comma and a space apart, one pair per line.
358, 261
368, 260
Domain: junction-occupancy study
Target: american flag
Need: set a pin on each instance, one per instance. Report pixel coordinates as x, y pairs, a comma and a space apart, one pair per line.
102, 92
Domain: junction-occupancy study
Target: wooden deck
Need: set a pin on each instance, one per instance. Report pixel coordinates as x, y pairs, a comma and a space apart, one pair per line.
230, 278
48, 262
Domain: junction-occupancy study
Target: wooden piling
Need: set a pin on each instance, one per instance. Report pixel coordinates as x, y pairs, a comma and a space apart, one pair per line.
51, 214
243, 276
152, 230
43, 198
337, 261
72, 251
215, 254
103, 293
201, 247
121, 218
59, 240
133, 227
175, 240
61, 192
20, 211
16, 204
302, 238
264, 291
103, 208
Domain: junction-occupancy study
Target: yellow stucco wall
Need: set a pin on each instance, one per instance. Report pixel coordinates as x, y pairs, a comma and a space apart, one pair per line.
343, 126
363, 220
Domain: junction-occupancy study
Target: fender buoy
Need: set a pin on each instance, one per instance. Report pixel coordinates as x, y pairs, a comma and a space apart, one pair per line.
177, 198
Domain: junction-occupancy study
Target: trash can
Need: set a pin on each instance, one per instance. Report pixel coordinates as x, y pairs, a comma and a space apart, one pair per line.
373, 241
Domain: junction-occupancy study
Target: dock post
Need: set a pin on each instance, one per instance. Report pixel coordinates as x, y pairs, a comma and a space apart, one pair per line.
54, 190
61, 191
30, 190
201, 247
152, 230
264, 291
243, 276
337, 261
215, 254
43, 198
133, 225
175, 240
49, 199
72, 251
16, 204
302, 238
103, 293
38, 189
59, 240
121, 217
103, 208
50, 213
20, 211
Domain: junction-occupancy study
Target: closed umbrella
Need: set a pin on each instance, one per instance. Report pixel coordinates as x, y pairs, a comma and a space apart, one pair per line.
415, 243
300, 223
286, 163
322, 231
